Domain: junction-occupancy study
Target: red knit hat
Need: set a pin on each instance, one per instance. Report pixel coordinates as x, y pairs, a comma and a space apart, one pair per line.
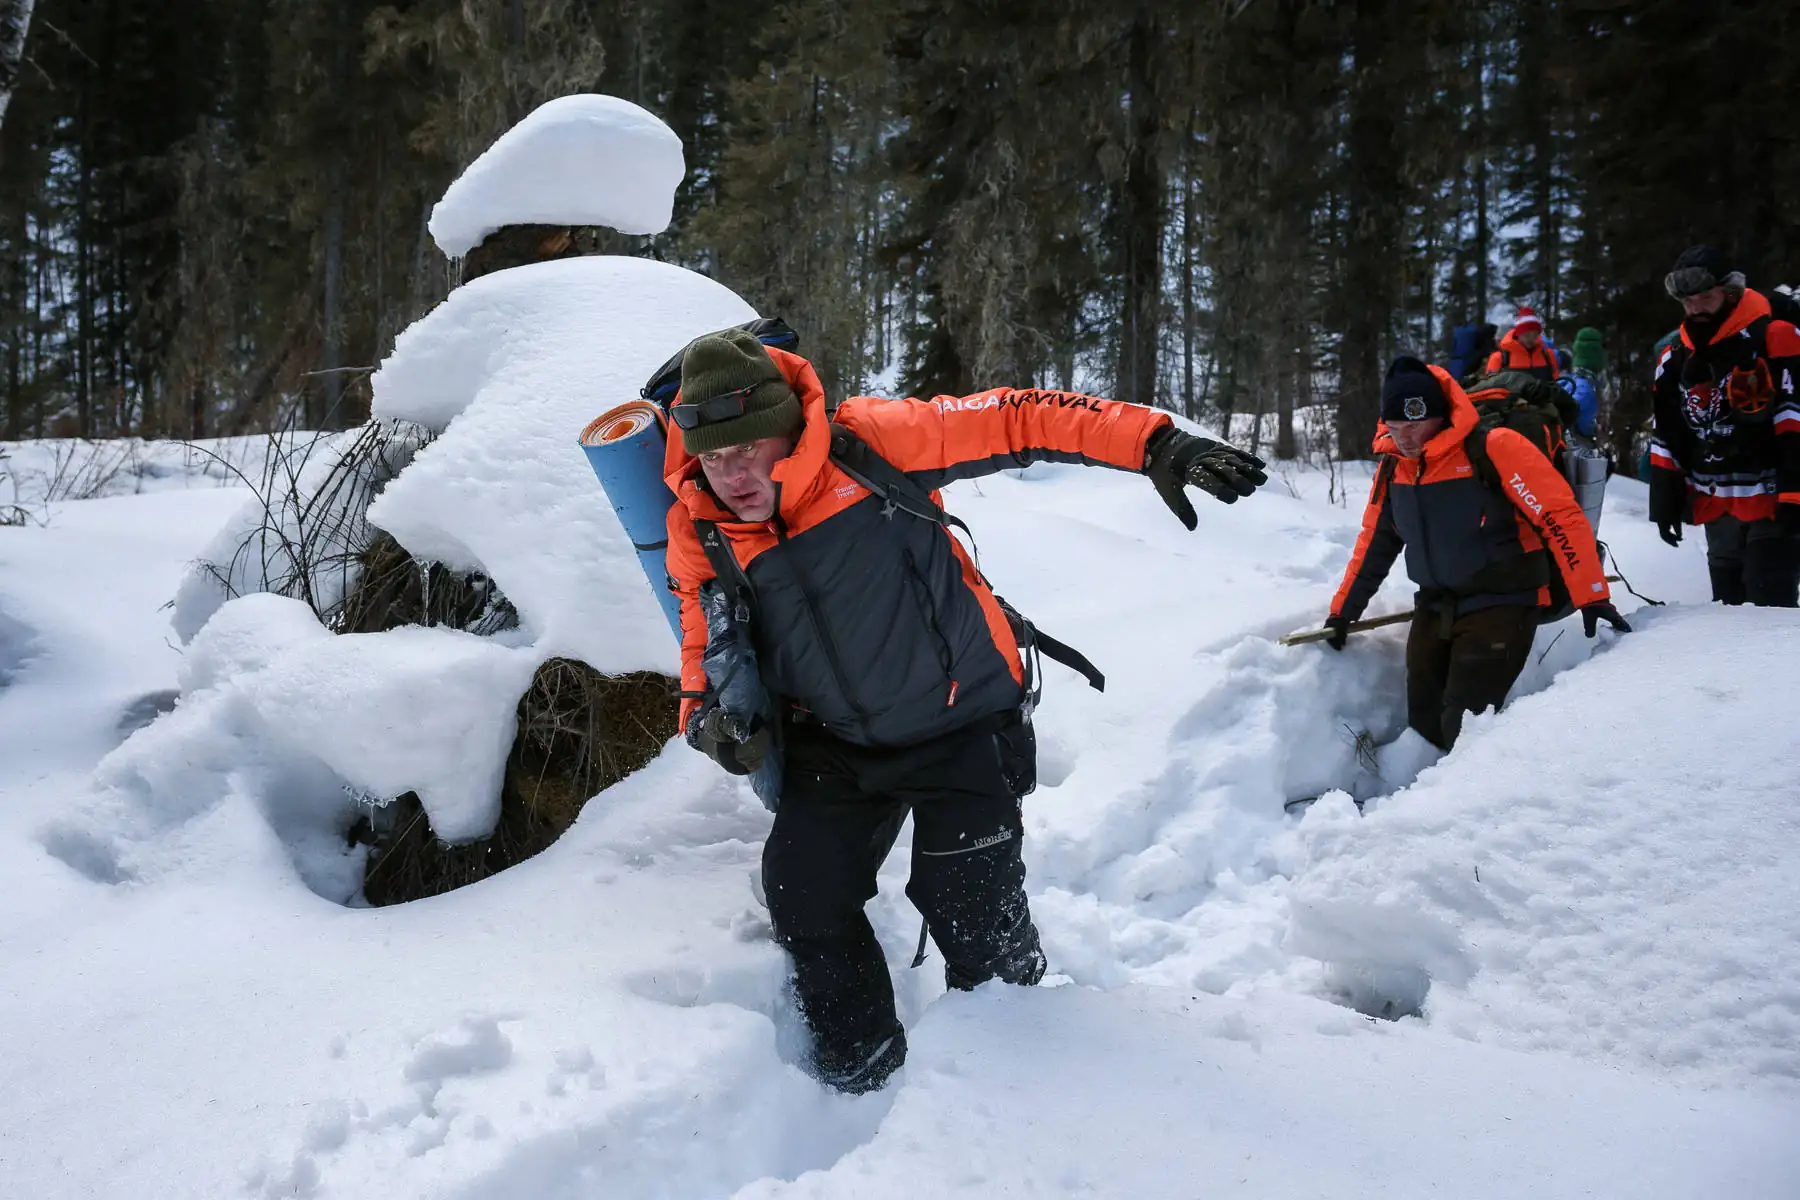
1528, 320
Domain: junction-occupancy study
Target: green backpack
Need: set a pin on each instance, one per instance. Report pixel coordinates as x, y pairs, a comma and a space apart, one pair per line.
1534, 408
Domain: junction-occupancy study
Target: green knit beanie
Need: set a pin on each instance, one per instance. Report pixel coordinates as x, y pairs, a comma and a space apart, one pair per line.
1590, 351
728, 362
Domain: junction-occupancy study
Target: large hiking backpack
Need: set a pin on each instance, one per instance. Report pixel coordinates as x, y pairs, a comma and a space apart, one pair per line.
1534, 408
1543, 414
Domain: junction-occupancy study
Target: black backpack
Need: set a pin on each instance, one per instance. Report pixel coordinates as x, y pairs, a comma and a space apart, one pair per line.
661, 388
1784, 304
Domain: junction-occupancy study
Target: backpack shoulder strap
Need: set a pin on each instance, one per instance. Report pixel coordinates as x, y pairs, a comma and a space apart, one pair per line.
898, 491
725, 565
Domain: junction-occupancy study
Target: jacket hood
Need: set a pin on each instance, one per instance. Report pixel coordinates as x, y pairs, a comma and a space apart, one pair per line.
796, 475
1463, 418
1750, 306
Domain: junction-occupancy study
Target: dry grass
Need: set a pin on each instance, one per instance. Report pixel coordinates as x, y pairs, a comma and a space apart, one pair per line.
579, 732
393, 589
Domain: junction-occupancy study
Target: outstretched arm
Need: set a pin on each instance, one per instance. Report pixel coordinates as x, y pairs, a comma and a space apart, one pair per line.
948, 438
962, 437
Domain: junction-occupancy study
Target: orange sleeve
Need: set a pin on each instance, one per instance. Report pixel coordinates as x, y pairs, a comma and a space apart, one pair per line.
1496, 361
1377, 546
688, 568
1543, 497
961, 437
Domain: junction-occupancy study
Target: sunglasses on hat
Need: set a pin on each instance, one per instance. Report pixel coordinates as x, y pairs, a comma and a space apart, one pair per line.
710, 411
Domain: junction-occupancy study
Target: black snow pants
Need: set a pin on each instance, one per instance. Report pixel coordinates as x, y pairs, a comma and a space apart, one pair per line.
1752, 561
842, 806
1464, 665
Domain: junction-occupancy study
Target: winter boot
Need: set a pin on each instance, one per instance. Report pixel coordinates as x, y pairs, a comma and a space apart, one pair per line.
861, 1068
1022, 962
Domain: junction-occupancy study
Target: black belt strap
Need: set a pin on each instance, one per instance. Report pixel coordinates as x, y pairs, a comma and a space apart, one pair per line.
1068, 656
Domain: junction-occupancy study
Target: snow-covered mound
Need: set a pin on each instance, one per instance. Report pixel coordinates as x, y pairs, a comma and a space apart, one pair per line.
576, 160
511, 367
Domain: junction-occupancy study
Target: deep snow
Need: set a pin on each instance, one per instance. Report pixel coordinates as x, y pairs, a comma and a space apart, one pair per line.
1609, 1010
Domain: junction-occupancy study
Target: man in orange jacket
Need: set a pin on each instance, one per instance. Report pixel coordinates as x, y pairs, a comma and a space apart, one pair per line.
1483, 557
1523, 349
896, 672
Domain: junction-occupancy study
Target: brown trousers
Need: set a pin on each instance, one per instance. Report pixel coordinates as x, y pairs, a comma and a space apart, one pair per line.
1463, 666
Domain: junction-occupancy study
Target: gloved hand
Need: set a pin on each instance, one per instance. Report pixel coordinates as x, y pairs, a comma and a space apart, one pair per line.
1593, 614
718, 736
1173, 460
1670, 531
1340, 631
1788, 517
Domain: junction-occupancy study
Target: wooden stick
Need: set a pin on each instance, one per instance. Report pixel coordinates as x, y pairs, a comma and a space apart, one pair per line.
1319, 635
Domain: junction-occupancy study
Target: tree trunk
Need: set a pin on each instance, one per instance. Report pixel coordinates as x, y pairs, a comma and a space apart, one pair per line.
1370, 242
1483, 252
330, 390
1142, 219
15, 19
329, 394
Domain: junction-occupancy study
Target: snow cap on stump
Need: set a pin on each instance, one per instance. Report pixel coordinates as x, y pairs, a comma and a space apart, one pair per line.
576, 160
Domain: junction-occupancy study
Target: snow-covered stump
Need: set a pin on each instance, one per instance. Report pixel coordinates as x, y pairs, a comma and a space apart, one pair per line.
579, 732
493, 544
579, 177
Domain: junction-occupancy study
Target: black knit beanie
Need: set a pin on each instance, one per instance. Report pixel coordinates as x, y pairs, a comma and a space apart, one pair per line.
1412, 393
728, 362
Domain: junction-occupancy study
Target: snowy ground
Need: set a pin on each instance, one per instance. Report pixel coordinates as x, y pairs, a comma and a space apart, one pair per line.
1594, 904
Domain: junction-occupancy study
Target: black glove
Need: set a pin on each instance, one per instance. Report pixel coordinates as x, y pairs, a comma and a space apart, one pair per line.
1670, 531
1787, 516
1173, 460
1593, 614
1340, 631
718, 736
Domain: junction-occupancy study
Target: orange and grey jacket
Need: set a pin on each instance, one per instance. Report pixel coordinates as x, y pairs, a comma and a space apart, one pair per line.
1727, 420
875, 624
1469, 544
1513, 356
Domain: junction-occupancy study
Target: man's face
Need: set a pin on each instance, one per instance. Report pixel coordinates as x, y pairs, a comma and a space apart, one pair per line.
1704, 304
1410, 436
1529, 337
741, 476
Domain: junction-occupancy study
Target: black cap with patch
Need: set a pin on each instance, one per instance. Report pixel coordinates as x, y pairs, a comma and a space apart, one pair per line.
1412, 393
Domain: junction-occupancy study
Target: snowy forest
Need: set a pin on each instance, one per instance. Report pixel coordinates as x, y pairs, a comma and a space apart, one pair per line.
216, 225
537, 539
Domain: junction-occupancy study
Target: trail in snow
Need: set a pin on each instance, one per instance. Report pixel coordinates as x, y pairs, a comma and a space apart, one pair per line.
610, 1018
